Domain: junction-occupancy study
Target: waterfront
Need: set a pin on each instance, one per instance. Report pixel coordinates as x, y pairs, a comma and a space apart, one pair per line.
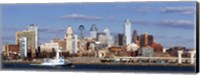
102, 67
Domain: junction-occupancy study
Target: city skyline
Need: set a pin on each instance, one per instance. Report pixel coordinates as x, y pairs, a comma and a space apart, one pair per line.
171, 23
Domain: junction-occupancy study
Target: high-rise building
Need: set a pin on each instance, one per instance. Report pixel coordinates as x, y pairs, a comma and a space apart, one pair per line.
134, 36
81, 28
32, 38
75, 44
146, 40
120, 40
108, 37
69, 39
150, 40
127, 31
102, 39
23, 42
93, 31
34, 28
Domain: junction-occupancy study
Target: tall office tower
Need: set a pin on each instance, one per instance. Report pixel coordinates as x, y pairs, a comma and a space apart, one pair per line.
23, 47
127, 31
144, 40
93, 31
108, 37
75, 44
120, 40
69, 38
31, 35
134, 37
81, 28
34, 28
150, 40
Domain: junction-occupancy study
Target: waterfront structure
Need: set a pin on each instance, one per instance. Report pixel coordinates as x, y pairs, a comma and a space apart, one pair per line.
102, 39
147, 51
192, 56
108, 37
69, 39
93, 31
81, 28
120, 40
127, 31
11, 49
47, 47
61, 43
180, 52
23, 43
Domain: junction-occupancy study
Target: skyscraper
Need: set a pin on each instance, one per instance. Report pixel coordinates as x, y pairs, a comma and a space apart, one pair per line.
127, 31
134, 36
34, 28
23, 47
108, 37
32, 38
120, 40
93, 31
69, 38
146, 40
75, 44
81, 28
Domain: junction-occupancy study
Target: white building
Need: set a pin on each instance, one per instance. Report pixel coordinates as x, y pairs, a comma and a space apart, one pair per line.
34, 28
132, 47
127, 31
23, 47
49, 46
69, 39
75, 44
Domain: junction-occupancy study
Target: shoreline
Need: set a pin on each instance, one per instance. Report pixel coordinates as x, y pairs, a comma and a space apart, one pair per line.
125, 64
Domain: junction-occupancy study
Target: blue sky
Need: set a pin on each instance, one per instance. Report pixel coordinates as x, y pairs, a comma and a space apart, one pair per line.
171, 23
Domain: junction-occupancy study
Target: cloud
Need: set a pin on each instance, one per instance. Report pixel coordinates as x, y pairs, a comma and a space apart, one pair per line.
81, 17
13, 28
143, 9
182, 10
184, 24
51, 30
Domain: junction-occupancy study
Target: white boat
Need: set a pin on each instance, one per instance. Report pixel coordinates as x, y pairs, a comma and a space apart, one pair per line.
57, 61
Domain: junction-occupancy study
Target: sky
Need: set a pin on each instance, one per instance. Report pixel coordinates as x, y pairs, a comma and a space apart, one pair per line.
171, 23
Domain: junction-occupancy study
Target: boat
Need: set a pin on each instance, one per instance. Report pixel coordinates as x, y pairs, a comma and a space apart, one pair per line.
57, 61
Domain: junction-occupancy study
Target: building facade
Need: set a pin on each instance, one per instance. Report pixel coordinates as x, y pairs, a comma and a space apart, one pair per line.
69, 39
32, 38
48, 47
23, 43
102, 39
120, 40
147, 51
75, 44
108, 37
127, 31
93, 31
